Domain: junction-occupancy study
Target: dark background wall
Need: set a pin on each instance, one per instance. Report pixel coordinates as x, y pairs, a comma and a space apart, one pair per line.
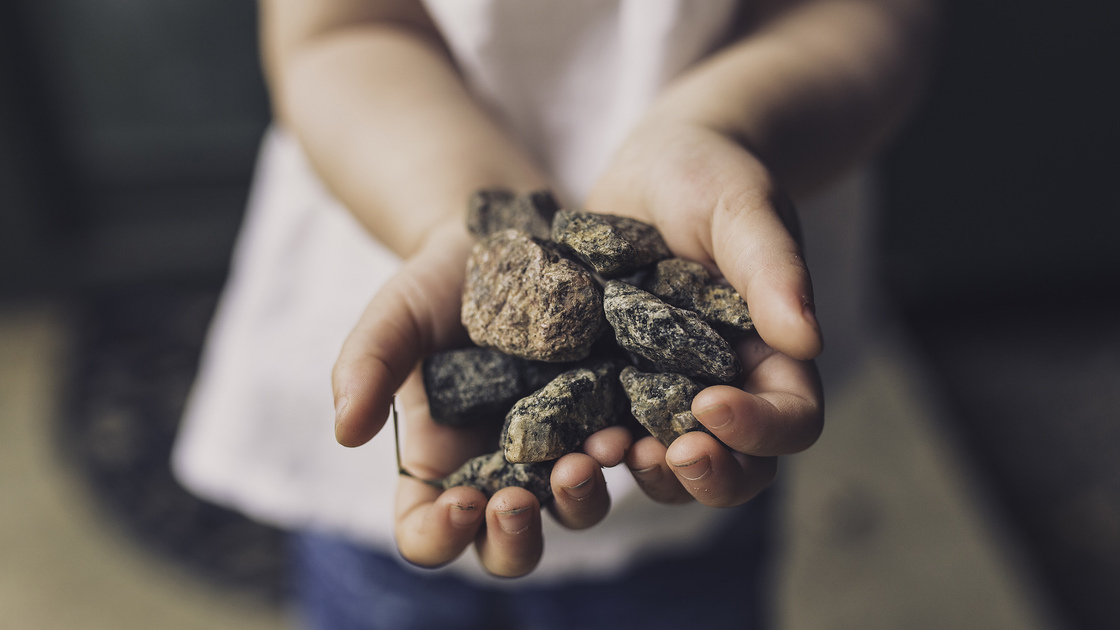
1005, 185
128, 130
128, 135
1002, 251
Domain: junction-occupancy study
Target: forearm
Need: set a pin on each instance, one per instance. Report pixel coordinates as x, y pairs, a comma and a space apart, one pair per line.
388, 124
813, 89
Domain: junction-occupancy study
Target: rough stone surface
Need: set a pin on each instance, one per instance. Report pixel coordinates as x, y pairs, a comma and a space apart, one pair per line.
523, 298
556, 419
685, 422
656, 400
613, 246
688, 285
493, 210
723, 308
484, 206
473, 385
677, 281
673, 339
490, 473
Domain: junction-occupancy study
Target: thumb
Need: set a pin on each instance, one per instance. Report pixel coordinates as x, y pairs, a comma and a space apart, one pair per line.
756, 252
414, 313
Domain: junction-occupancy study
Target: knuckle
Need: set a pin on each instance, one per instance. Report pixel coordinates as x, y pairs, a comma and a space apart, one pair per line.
806, 433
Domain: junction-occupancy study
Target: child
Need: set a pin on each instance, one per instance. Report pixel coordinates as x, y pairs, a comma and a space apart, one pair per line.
696, 117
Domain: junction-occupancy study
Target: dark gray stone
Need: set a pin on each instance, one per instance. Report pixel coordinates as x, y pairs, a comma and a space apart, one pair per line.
677, 281
485, 207
613, 246
723, 308
474, 385
656, 399
673, 339
490, 473
556, 419
524, 298
536, 210
685, 422
496, 209
688, 285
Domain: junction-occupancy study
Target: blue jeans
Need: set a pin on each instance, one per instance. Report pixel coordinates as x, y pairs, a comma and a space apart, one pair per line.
342, 587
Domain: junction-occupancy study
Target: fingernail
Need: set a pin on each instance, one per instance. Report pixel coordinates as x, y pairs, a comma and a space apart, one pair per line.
581, 490
695, 469
464, 516
515, 521
653, 473
715, 417
340, 405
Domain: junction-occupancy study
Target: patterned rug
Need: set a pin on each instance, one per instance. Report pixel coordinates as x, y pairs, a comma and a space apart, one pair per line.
135, 354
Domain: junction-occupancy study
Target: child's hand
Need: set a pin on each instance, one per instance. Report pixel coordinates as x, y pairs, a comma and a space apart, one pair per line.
715, 203
434, 527
416, 314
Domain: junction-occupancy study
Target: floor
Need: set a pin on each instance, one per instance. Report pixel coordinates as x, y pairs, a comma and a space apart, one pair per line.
884, 527
62, 563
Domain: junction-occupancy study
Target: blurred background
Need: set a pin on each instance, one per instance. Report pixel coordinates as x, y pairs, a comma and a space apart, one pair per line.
991, 498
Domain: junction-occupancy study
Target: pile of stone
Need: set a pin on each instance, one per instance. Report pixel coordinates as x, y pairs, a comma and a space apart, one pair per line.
581, 321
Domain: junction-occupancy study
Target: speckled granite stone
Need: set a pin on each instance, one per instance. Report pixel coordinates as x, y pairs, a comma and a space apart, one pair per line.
496, 209
688, 285
556, 419
474, 385
490, 473
655, 399
613, 246
673, 339
523, 298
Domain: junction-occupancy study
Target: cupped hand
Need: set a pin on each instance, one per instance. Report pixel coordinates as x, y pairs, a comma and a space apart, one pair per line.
716, 204
415, 314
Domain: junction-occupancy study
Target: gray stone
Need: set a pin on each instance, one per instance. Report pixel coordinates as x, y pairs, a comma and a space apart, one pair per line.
614, 246
656, 400
490, 473
673, 339
685, 422
677, 281
556, 419
688, 285
723, 308
474, 385
496, 209
524, 298
484, 208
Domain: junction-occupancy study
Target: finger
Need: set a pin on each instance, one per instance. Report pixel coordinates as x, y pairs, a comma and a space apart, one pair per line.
646, 460
432, 450
608, 446
579, 492
416, 311
716, 476
757, 254
511, 545
781, 411
434, 527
